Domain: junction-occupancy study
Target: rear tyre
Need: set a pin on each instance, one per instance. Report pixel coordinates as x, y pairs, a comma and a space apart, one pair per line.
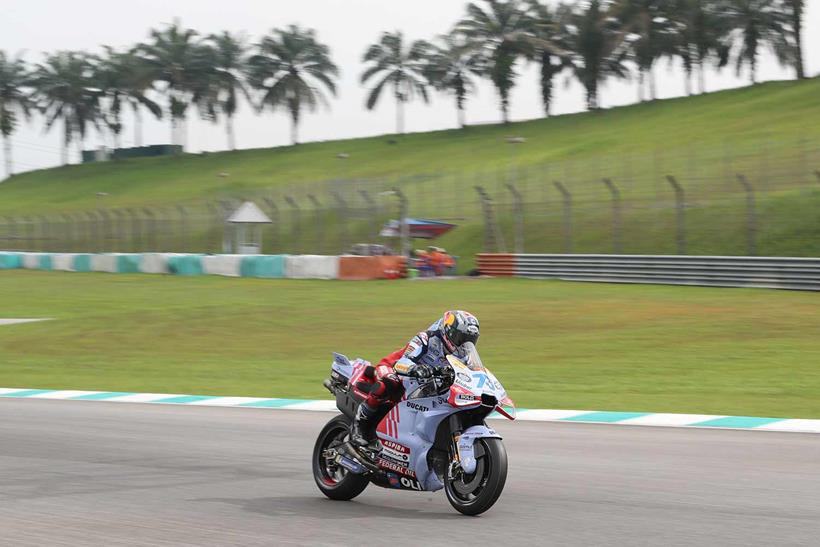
333, 480
473, 494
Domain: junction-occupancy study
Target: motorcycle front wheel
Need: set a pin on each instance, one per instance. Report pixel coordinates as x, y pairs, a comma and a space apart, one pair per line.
475, 493
333, 480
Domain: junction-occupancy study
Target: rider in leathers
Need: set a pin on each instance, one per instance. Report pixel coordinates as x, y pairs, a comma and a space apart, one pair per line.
427, 350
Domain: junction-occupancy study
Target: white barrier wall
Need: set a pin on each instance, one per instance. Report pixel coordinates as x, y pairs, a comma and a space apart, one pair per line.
31, 261
63, 262
222, 265
104, 263
154, 263
311, 267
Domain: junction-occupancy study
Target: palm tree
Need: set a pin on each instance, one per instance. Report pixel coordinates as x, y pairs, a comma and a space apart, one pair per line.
498, 27
757, 23
547, 38
177, 58
66, 90
125, 80
795, 14
228, 52
14, 101
700, 35
651, 36
599, 49
451, 63
397, 65
290, 68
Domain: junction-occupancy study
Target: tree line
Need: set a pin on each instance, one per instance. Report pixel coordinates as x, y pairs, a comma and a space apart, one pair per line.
176, 69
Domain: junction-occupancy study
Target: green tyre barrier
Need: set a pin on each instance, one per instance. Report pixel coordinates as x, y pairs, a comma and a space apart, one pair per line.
268, 266
45, 262
185, 264
129, 263
10, 261
82, 263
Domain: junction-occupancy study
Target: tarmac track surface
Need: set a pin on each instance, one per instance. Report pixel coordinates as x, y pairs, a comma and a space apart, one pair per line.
81, 473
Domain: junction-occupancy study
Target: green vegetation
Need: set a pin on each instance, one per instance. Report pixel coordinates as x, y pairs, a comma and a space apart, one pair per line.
700, 128
553, 344
761, 131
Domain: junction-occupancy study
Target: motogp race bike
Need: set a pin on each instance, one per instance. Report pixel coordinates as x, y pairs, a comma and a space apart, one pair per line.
436, 437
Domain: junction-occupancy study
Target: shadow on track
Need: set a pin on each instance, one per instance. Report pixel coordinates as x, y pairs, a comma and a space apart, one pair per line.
322, 508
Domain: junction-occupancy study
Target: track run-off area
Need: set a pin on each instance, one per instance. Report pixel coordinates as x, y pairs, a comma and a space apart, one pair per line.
74, 473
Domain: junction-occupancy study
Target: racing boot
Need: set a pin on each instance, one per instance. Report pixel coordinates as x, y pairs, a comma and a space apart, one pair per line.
363, 442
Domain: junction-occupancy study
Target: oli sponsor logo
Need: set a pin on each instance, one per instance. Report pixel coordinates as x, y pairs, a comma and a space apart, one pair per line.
410, 484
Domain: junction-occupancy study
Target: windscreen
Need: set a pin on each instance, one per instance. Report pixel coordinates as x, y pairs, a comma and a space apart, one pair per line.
468, 353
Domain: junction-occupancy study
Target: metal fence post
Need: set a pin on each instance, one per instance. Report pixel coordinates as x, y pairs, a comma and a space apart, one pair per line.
105, 230
567, 219
493, 239
183, 229
136, 230
318, 216
518, 213
404, 230
152, 229
273, 210
680, 215
11, 233
617, 242
344, 231
372, 211
45, 234
297, 222
215, 226
751, 216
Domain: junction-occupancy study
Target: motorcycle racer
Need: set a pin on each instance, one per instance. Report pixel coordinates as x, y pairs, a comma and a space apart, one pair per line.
383, 388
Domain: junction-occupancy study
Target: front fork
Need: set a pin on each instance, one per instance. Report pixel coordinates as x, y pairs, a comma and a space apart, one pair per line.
462, 446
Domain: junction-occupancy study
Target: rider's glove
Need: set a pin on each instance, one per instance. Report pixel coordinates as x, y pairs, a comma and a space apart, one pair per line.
421, 372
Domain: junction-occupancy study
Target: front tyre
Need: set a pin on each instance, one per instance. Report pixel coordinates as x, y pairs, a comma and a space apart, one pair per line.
333, 480
473, 494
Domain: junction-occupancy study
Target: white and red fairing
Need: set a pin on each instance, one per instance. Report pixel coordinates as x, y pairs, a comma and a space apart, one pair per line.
409, 429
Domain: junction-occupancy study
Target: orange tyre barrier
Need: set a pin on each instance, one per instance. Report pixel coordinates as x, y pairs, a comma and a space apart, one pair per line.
372, 267
499, 265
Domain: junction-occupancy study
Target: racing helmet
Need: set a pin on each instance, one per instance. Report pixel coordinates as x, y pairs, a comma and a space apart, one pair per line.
459, 327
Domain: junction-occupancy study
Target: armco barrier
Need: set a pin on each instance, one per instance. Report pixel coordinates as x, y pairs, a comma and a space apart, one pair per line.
312, 267
715, 271
371, 267
498, 265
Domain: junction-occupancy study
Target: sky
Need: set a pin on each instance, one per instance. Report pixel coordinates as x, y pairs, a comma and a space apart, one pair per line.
347, 27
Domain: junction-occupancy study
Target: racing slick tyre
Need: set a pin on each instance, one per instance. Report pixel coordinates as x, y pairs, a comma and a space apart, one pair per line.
475, 493
333, 480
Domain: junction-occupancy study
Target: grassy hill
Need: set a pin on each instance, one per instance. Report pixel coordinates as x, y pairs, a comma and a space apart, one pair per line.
768, 132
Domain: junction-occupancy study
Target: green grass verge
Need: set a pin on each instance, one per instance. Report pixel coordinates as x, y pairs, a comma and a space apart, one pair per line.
553, 344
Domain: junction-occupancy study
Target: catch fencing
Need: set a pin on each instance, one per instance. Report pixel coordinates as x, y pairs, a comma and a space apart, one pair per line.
713, 271
701, 199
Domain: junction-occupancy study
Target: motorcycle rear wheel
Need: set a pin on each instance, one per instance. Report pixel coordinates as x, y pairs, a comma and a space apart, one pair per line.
334, 481
473, 494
